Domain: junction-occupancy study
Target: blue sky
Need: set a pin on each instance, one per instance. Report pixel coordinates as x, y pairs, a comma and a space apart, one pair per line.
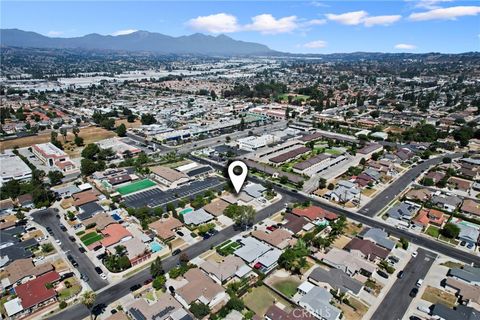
289, 26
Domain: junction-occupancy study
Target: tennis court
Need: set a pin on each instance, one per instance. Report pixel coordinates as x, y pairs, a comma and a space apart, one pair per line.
136, 186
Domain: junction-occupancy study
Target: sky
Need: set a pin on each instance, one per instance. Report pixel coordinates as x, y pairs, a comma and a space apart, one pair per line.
447, 26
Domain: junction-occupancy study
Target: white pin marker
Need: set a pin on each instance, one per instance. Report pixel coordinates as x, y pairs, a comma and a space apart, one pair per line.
237, 179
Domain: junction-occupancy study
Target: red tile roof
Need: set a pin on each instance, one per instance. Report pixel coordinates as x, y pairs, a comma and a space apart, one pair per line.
34, 291
314, 212
113, 234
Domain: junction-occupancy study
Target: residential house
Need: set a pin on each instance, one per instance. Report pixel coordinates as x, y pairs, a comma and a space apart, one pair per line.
466, 292
367, 249
34, 293
403, 211
471, 208
279, 238
226, 270
428, 216
216, 207
314, 213
162, 309
440, 311
447, 202
467, 274
294, 223
165, 228
377, 236
344, 192
200, 288
335, 279
436, 176
349, 262
460, 184
197, 217
114, 234
22, 270
422, 194
316, 300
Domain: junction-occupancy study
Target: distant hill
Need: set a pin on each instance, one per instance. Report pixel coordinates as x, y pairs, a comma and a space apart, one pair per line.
137, 41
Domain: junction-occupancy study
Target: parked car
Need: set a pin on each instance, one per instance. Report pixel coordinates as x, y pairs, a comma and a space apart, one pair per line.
206, 236
71, 238
382, 274
413, 293
84, 277
400, 274
135, 287
63, 228
98, 270
414, 254
176, 251
394, 259
419, 282
180, 233
82, 249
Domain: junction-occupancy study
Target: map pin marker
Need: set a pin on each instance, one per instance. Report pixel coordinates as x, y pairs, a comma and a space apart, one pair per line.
237, 179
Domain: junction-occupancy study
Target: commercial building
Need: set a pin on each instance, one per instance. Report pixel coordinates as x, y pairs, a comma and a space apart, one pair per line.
13, 168
53, 157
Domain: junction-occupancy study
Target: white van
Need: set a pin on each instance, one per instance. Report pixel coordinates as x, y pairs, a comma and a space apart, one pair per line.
419, 282
423, 308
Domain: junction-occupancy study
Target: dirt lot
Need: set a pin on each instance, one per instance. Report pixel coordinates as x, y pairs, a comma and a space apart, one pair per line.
341, 242
355, 313
435, 295
89, 135
127, 124
352, 229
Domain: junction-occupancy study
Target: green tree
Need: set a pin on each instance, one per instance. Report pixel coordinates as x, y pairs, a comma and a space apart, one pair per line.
78, 141
88, 300
450, 230
159, 282
199, 309
90, 151
87, 167
55, 177
156, 268
121, 130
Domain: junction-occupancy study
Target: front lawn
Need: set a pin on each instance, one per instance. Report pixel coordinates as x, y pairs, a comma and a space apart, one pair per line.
433, 231
288, 287
90, 238
73, 290
435, 295
227, 248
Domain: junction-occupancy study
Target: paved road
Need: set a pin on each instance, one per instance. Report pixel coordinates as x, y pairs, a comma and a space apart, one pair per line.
116, 291
47, 218
396, 302
383, 198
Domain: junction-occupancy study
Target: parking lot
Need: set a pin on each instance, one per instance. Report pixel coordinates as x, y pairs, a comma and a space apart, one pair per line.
156, 197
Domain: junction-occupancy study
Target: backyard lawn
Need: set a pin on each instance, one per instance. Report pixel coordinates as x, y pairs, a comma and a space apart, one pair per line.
67, 293
261, 298
90, 238
288, 287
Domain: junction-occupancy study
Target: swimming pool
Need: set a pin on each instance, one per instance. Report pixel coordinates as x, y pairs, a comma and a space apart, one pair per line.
155, 246
186, 210
116, 217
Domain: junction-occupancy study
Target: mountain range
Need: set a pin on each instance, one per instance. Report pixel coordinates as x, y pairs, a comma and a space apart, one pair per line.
137, 41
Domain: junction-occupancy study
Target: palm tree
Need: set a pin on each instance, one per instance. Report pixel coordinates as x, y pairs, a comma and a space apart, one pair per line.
88, 300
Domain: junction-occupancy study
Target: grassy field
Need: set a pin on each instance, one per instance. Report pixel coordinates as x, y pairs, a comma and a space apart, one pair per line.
298, 97
136, 186
435, 295
261, 298
288, 287
452, 264
90, 238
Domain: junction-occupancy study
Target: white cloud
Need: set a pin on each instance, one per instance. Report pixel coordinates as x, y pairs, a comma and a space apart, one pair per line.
314, 22
124, 32
319, 4
405, 46
361, 17
349, 18
268, 24
317, 44
429, 4
215, 23
450, 13
55, 33
381, 20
